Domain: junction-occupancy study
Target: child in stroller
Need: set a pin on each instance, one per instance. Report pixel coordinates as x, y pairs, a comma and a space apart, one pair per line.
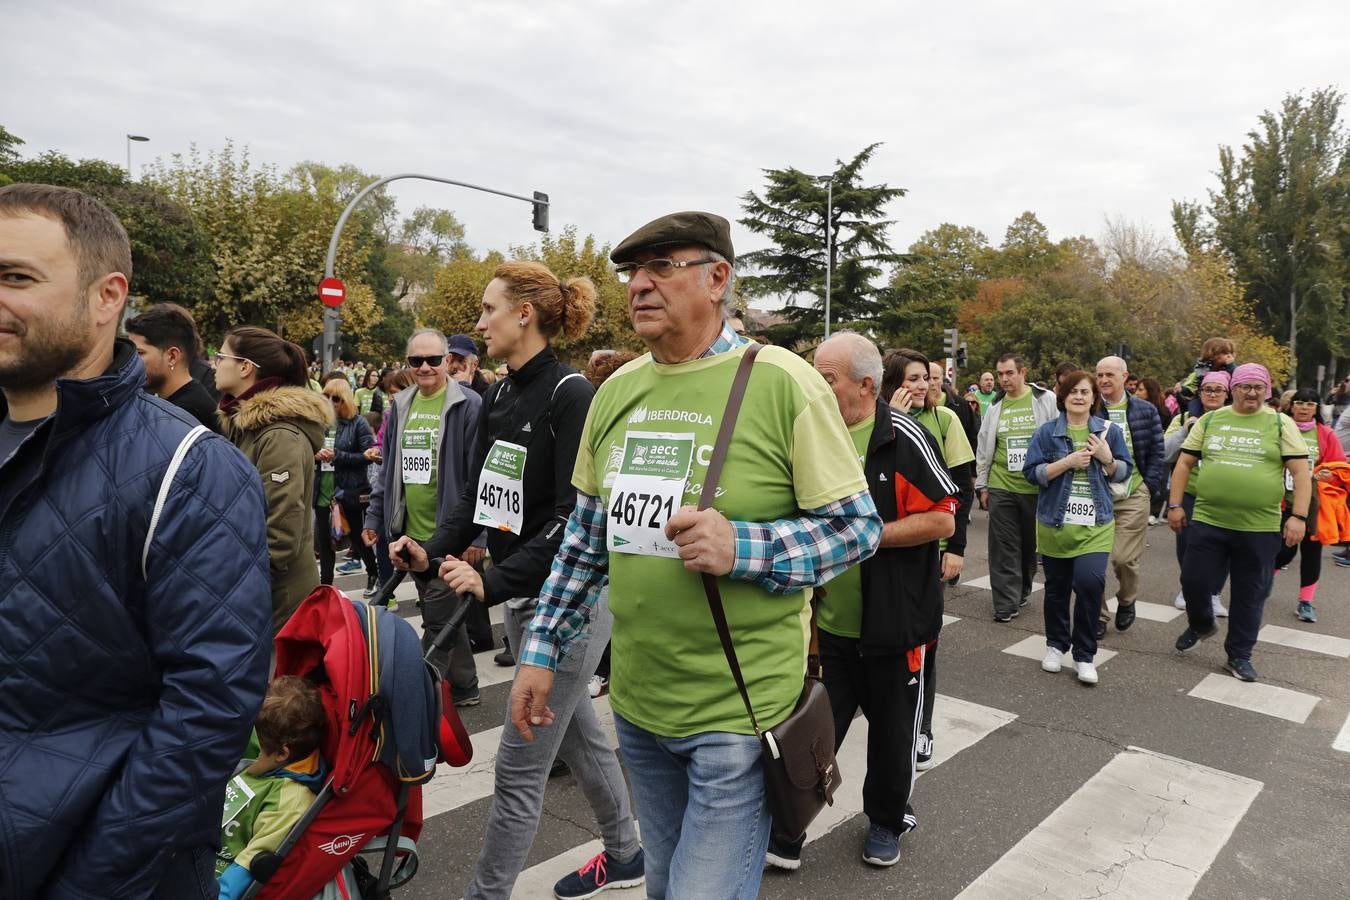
263, 802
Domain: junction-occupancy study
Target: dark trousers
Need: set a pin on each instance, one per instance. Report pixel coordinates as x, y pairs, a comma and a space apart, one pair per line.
1085, 577
1248, 557
189, 874
1012, 548
323, 539
891, 697
439, 603
1309, 562
1188, 507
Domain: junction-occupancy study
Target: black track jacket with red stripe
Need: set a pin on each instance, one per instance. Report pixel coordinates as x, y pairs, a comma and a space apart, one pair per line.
901, 594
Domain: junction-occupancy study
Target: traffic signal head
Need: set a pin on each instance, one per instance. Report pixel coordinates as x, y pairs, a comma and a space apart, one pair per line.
541, 205
950, 342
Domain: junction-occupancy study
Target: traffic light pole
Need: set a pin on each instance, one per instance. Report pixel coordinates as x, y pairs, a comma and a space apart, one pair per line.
332, 318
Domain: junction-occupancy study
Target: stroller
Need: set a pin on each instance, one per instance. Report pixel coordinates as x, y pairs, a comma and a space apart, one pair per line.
390, 720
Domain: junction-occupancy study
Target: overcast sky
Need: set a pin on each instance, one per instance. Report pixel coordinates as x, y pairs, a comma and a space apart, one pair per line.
622, 111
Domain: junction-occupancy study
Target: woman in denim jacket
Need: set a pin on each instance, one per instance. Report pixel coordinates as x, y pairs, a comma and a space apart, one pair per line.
1073, 459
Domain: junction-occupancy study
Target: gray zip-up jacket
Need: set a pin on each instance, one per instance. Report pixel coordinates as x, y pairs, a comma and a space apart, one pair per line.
459, 435
1043, 405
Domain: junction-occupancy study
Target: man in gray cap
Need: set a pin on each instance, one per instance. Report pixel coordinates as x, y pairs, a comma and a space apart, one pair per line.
792, 511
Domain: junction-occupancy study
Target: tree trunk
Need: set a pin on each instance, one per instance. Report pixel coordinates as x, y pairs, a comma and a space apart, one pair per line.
1293, 334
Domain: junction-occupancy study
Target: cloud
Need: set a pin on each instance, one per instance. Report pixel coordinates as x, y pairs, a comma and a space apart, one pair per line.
622, 111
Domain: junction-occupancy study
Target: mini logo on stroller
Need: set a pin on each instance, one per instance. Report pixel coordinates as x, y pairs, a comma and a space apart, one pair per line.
342, 844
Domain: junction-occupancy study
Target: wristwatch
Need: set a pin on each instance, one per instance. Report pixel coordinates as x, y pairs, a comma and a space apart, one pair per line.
1302, 518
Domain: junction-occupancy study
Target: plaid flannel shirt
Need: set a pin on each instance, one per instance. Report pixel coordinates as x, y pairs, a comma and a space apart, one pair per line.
782, 556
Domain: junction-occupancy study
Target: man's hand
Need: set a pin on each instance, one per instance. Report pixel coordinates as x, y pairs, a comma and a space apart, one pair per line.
1176, 519
706, 540
529, 700
370, 536
461, 577
951, 567
417, 557
984, 499
474, 556
1294, 530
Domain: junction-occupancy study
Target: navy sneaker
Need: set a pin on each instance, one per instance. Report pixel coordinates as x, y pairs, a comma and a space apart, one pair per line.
1342, 559
1242, 669
882, 847
1190, 637
350, 566
783, 855
600, 874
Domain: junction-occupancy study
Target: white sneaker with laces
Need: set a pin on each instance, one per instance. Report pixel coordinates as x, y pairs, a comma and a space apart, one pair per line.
1087, 672
1219, 611
596, 686
1180, 601
1053, 658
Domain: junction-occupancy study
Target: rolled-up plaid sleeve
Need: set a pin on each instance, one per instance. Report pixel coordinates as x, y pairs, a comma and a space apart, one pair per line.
579, 572
789, 555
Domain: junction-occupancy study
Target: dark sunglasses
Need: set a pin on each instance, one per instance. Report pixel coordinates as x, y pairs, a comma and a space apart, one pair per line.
433, 361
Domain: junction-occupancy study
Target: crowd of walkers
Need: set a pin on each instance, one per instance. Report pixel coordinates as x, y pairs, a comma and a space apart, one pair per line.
162, 520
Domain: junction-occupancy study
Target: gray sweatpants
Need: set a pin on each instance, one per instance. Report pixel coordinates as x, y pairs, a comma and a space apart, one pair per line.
1012, 548
522, 767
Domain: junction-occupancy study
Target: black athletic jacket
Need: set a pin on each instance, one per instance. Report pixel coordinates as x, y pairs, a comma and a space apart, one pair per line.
901, 595
541, 406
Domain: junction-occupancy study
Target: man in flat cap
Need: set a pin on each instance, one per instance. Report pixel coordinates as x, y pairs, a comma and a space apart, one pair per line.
792, 511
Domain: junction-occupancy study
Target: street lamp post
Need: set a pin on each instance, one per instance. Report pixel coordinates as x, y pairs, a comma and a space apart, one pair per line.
139, 138
829, 251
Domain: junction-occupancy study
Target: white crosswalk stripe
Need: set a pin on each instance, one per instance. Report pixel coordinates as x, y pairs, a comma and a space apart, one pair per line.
1305, 640
983, 583
1153, 612
1266, 699
1145, 825
1342, 742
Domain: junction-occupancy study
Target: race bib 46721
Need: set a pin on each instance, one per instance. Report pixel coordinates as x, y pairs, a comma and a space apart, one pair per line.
647, 491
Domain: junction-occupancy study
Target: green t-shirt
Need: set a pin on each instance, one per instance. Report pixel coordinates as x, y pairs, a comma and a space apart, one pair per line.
1016, 424
985, 400
1314, 454
1072, 539
791, 452
1120, 414
365, 398
327, 487
841, 611
1244, 458
945, 427
422, 433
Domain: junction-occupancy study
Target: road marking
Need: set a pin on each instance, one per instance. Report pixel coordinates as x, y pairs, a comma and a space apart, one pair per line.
1266, 699
957, 724
1305, 640
1154, 612
983, 583
1145, 825
452, 788
1342, 742
489, 673
949, 620
1034, 647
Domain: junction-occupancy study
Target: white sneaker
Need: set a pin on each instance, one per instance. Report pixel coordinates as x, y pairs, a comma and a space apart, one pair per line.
1219, 611
597, 686
1153, 520
1053, 656
1180, 601
1087, 672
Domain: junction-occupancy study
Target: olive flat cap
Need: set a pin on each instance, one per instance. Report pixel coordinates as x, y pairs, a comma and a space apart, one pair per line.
704, 229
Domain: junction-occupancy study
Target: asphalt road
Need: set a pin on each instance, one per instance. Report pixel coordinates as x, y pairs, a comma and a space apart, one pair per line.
1134, 787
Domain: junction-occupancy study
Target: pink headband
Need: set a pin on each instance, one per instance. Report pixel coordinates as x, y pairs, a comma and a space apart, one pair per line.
1252, 373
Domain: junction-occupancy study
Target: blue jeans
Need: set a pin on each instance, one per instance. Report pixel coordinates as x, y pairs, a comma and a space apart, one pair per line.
705, 819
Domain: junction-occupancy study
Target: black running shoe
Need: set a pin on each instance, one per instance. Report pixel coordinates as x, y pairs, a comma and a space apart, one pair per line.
1190, 637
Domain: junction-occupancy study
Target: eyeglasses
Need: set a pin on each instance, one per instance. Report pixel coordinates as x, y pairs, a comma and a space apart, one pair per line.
1213, 392
217, 357
433, 361
657, 268
1305, 403
1250, 388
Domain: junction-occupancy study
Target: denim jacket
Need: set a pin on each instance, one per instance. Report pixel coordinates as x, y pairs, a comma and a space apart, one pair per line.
1050, 443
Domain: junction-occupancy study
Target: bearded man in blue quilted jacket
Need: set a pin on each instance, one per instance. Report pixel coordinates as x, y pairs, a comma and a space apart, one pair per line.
133, 583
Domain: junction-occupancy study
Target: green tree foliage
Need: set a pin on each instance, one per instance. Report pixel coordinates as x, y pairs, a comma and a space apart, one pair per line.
170, 251
9, 147
1277, 219
1047, 324
269, 236
942, 269
426, 240
791, 213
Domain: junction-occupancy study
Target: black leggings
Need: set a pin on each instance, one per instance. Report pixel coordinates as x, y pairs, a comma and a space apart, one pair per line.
1309, 564
323, 540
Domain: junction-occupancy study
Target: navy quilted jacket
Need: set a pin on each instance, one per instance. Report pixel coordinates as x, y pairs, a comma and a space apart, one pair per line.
125, 700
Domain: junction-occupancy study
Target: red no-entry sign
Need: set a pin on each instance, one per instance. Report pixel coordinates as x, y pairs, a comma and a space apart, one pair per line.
332, 292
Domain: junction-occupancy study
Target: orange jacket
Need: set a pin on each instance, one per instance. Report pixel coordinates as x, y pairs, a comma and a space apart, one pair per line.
1333, 516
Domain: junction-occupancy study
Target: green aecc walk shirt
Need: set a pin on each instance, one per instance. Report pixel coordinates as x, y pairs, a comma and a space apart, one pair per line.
1016, 424
791, 452
1244, 458
840, 613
